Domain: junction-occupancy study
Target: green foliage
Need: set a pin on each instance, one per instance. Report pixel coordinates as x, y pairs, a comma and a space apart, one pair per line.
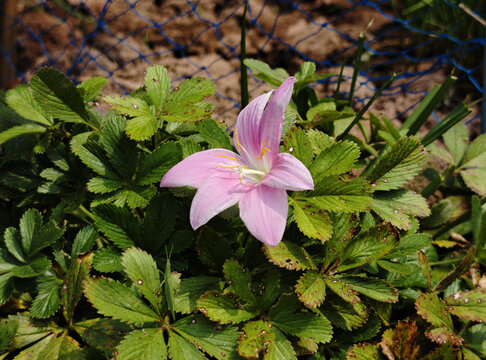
98, 262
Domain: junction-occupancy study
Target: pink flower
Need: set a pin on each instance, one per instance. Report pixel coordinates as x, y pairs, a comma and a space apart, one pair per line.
257, 178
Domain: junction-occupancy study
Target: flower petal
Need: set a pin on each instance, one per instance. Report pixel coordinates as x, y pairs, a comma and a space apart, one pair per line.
215, 195
247, 135
195, 169
272, 119
264, 211
289, 174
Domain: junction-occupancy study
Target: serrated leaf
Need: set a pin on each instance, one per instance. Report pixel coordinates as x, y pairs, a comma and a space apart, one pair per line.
34, 352
372, 287
402, 162
21, 100
101, 185
338, 194
6, 287
311, 289
255, 338
312, 222
212, 248
107, 259
269, 289
215, 340
343, 315
396, 207
158, 223
401, 342
190, 290
290, 256
157, 83
20, 130
239, 279
434, 310
459, 269
334, 160
118, 224
456, 139
470, 305
346, 292
475, 338
344, 227
8, 330
142, 270
409, 244
424, 265
48, 299
280, 349
262, 71
153, 166
443, 335
181, 349
363, 351
319, 141
145, 344
142, 124
473, 169
84, 240
29, 330
298, 144
77, 273
93, 155
33, 268
111, 298
223, 308
57, 95
307, 325
91, 89
368, 246
212, 133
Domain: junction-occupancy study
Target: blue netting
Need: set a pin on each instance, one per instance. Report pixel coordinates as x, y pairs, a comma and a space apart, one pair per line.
119, 38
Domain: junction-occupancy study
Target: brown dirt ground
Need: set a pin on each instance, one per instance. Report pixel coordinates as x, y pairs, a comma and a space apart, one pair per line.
116, 52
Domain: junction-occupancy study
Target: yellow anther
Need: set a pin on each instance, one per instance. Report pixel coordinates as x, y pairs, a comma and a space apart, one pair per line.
264, 149
237, 141
228, 157
228, 167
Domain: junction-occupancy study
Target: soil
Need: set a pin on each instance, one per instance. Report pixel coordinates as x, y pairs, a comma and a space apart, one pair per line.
201, 38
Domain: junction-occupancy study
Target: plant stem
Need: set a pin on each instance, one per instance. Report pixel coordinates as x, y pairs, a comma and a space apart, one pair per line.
437, 181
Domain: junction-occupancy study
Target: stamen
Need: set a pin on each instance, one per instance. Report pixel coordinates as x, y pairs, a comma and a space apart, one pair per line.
228, 157
264, 149
228, 167
237, 141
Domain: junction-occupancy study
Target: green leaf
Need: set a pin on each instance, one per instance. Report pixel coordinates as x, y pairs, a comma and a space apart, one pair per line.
290, 256
319, 141
240, 280
312, 222
334, 160
343, 315
102, 333
264, 72
34, 352
424, 265
91, 89
311, 289
402, 162
142, 270
463, 267
6, 287
434, 310
20, 130
409, 244
298, 144
372, 287
158, 223
29, 330
57, 95
396, 207
190, 290
8, 330
218, 342
36, 236
363, 351
143, 344
181, 349
72, 293
470, 305
346, 292
456, 141
212, 248
369, 246
22, 101
223, 308
33, 268
338, 194
213, 134
48, 299
344, 226
142, 124
107, 259
473, 169
118, 224
255, 338
305, 325
84, 240
475, 338
171, 282
157, 83
153, 166
442, 335
401, 341
269, 289
111, 298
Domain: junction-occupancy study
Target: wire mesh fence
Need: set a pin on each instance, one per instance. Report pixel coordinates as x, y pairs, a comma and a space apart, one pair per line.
420, 40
